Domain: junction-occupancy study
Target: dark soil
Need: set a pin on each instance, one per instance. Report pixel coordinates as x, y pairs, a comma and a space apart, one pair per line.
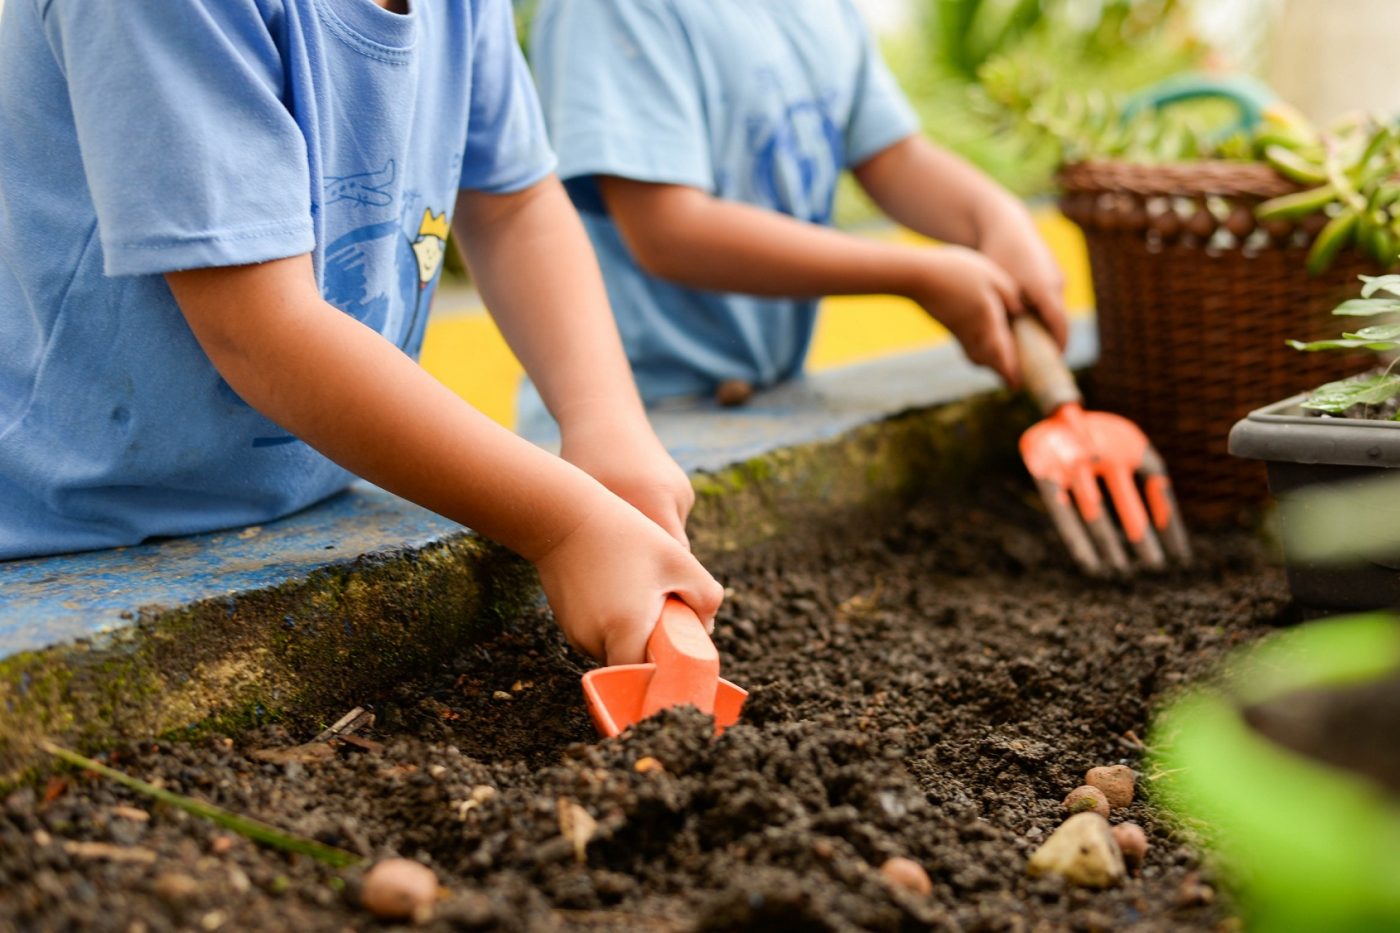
931, 690
1352, 726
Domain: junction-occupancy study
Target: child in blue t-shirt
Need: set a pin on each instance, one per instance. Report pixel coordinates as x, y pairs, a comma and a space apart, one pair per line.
702, 141
221, 224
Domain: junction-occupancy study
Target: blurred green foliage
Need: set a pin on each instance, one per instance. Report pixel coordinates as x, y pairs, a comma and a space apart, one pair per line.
1112, 46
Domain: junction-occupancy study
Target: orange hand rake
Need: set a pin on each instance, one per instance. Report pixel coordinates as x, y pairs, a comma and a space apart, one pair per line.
682, 669
1072, 451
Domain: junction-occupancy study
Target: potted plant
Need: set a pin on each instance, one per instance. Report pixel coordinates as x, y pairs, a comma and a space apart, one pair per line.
1210, 244
1323, 450
1287, 769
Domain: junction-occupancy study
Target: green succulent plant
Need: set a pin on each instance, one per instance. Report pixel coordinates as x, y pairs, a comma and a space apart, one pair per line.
1380, 297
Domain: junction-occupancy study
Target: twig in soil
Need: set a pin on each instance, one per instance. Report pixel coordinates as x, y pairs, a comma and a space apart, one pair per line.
243, 825
104, 850
357, 718
1130, 739
612, 919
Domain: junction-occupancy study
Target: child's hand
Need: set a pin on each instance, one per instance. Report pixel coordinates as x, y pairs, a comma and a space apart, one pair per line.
629, 460
1014, 244
973, 297
608, 579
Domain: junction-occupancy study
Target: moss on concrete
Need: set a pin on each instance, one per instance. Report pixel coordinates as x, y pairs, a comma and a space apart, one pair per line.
305, 650
864, 475
308, 650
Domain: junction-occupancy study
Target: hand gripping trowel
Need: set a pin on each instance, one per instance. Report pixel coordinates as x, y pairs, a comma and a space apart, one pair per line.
682, 669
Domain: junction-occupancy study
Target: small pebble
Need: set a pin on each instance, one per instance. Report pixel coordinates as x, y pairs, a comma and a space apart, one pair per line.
906, 875
501, 695
399, 888
733, 392
1132, 841
437, 772
174, 887
1116, 782
647, 765
238, 880
1193, 892
1089, 799
134, 814
220, 844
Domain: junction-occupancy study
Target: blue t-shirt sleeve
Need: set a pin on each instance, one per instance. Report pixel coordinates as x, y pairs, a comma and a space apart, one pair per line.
191, 157
507, 146
620, 92
881, 115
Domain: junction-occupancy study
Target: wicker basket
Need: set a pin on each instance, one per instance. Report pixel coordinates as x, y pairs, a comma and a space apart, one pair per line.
1195, 301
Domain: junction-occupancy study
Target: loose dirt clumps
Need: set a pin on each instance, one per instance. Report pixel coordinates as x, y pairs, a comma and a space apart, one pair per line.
928, 691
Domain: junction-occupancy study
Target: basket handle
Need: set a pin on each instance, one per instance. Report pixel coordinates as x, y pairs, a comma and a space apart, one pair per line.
1251, 97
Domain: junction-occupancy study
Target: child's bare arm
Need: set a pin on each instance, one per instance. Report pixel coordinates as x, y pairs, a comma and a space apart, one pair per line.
531, 260
355, 397
687, 236
936, 193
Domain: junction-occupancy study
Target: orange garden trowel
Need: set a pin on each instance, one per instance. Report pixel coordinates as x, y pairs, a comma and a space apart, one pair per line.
1072, 451
682, 669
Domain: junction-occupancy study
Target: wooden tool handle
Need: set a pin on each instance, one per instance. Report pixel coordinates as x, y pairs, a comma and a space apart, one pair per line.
1043, 369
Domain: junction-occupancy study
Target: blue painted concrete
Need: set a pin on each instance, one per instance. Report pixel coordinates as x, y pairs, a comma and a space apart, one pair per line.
53, 600
830, 403
60, 599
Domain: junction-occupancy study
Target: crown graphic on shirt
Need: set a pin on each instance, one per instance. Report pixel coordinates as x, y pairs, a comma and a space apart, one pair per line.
433, 224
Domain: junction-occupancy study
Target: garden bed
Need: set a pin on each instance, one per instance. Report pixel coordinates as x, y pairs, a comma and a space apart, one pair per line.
931, 690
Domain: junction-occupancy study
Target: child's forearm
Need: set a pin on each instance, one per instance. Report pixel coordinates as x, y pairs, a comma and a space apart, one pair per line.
360, 401
532, 262
936, 193
686, 236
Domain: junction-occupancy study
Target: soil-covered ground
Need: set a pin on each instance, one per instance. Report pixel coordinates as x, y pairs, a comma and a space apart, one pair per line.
929, 690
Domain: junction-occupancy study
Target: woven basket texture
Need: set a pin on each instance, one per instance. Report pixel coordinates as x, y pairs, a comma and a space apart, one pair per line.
1195, 301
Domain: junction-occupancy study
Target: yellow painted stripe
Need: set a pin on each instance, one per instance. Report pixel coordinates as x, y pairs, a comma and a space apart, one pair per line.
466, 352
468, 355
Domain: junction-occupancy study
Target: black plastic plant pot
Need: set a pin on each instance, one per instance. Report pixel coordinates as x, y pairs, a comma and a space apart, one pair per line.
1304, 452
1283, 764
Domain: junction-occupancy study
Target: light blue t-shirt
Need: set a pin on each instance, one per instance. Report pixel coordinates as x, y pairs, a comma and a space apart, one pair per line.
139, 137
759, 101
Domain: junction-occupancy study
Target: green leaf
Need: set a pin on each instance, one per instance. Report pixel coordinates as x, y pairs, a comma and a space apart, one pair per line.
243, 825
1367, 307
1345, 344
1337, 397
1380, 283
1376, 332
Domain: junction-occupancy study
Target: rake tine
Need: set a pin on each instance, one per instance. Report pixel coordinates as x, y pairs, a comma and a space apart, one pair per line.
1069, 526
1132, 516
1161, 502
1091, 507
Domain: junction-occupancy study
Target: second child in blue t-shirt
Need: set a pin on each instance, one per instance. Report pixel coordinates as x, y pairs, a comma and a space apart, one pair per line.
702, 141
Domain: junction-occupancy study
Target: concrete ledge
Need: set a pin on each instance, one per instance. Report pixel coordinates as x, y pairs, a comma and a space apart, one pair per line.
306, 615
